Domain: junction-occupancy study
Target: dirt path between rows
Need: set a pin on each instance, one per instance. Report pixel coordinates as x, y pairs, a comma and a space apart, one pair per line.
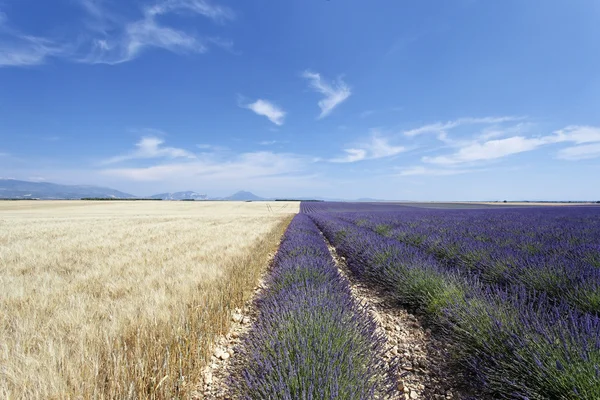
423, 371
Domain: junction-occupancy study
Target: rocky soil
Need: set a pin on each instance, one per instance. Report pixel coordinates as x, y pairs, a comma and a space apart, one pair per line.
423, 360
224, 365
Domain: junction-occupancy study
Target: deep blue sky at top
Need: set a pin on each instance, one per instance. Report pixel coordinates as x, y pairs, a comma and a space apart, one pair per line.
397, 99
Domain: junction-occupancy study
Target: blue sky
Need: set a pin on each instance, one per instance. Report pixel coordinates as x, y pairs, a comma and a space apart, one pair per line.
393, 99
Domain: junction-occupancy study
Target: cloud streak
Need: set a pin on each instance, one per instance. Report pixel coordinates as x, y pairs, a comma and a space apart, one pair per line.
376, 147
335, 93
213, 164
441, 129
18, 49
200, 7
151, 147
28, 50
476, 151
242, 166
110, 39
576, 153
490, 150
267, 109
137, 36
421, 170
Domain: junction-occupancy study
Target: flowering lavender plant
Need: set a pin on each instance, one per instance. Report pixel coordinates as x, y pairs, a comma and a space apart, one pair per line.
312, 340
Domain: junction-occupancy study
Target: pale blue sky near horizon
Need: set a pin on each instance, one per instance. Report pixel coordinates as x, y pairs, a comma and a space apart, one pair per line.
389, 99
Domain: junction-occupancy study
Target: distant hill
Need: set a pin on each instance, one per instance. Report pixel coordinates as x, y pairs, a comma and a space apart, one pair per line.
243, 196
189, 195
368, 200
15, 189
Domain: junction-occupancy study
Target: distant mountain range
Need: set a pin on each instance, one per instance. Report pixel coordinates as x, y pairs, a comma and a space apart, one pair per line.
15, 189
243, 196
180, 196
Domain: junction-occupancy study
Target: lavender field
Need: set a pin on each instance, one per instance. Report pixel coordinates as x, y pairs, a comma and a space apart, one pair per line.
513, 292
511, 295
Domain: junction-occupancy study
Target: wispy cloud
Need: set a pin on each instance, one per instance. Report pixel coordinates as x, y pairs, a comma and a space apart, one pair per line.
112, 39
421, 170
238, 167
335, 93
376, 147
136, 36
18, 49
212, 147
578, 134
212, 164
441, 129
267, 109
580, 152
588, 139
368, 113
27, 51
151, 147
93, 7
476, 151
201, 7
489, 150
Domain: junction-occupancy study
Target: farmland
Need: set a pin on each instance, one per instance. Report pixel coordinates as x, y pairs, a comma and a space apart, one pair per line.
121, 299
513, 291
124, 300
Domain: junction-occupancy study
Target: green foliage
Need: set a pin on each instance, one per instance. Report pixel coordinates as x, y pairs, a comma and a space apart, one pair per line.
383, 230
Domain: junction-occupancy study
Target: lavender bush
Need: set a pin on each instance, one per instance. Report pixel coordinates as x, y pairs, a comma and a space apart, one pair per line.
552, 250
311, 340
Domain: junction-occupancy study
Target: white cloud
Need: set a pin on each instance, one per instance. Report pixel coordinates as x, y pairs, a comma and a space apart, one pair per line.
238, 167
147, 32
117, 40
151, 147
578, 134
352, 155
580, 152
376, 147
489, 150
478, 150
200, 7
335, 93
93, 7
420, 170
265, 108
18, 50
212, 165
441, 128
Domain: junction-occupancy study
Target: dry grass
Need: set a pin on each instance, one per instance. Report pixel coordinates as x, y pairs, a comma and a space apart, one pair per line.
123, 299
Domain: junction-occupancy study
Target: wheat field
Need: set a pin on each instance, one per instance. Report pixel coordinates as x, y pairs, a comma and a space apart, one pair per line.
124, 299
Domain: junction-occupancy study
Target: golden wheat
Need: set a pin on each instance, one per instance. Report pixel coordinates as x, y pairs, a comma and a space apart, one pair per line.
123, 299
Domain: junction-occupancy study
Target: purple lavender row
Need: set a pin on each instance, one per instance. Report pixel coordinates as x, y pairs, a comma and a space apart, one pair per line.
311, 339
515, 343
552, 250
